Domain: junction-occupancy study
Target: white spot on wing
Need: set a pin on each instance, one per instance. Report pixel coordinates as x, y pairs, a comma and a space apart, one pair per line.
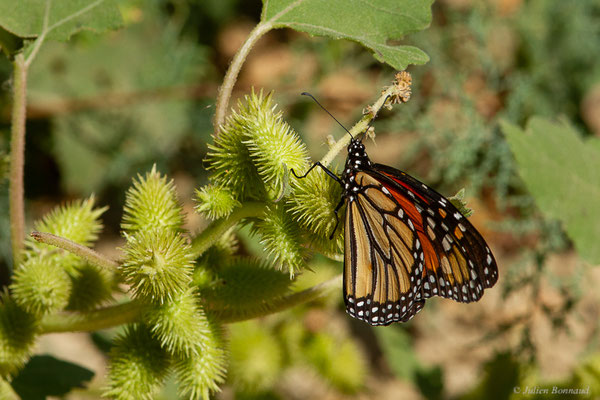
446, 244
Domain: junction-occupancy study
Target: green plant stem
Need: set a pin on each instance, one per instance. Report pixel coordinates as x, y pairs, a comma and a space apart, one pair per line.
86, 253
17, 158
289, 301
102, 318
358, 128
215, 230
234, 70
129, 312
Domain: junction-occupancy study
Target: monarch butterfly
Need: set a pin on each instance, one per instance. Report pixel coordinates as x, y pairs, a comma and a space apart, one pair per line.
403, 243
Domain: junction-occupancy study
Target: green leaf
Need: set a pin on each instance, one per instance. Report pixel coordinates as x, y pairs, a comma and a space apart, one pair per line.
458, 201
48, 376
562, 172
377, 25
25, 18
9, 43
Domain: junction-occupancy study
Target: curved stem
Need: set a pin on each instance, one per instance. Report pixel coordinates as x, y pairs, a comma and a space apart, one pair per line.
233, 72
17, 158
289, 301
131, 311
86, 253
215, 230
102, 318
361, 126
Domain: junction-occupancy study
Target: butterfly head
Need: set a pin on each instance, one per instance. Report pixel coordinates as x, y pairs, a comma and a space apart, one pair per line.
356, 151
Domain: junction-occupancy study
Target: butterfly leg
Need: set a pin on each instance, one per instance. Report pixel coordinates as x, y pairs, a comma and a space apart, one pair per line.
337, 221
334, 177
324, 168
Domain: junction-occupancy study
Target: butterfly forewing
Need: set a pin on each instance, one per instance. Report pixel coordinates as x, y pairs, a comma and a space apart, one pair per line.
383, 263
459, 264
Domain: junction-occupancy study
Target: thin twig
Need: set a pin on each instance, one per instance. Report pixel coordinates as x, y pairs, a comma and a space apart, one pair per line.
359, 127
17, 158
86, 253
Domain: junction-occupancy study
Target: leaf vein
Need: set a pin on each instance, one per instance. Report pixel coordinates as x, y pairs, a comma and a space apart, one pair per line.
75, 15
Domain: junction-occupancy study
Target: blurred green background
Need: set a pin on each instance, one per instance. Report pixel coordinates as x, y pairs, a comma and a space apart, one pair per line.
105, 108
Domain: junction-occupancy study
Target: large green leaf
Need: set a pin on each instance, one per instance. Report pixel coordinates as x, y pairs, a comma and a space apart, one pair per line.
57, 19
376, 24
48, 376
562, 172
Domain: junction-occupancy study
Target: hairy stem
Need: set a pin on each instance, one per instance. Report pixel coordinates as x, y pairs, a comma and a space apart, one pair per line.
215, 230
233, 72
360, 127
84, 252
17, 158
289, 301
119, 314
102, 318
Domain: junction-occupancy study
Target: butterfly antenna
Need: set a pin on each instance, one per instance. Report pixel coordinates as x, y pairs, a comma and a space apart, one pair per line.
331, 115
